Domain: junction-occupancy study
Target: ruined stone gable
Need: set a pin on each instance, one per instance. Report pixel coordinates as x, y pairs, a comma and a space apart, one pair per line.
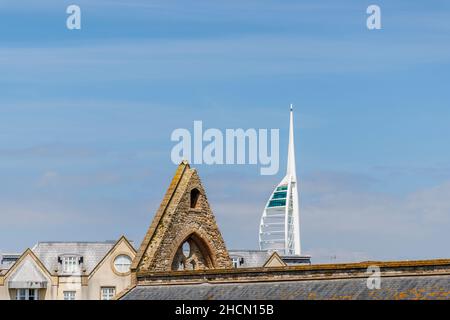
184, 234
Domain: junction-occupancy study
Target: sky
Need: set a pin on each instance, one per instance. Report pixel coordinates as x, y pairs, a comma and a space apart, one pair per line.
86, 117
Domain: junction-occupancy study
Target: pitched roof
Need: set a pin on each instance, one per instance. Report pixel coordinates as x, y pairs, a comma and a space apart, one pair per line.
12, 257
92, 252
417, 287
420, 279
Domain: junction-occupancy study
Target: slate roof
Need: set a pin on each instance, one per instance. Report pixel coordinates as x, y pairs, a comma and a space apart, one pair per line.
252, 258
257, 258
4, 266
411, 287
92, 253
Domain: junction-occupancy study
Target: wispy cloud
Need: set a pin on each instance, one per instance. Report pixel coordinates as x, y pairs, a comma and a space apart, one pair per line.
218, 58
55, 179
49, 150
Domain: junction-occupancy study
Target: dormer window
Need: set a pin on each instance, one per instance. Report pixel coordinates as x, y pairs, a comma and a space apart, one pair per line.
70, 264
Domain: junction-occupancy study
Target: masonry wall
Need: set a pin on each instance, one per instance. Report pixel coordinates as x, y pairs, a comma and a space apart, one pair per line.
176, 221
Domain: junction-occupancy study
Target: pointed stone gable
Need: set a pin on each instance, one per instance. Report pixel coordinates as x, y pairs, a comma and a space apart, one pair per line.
184, 234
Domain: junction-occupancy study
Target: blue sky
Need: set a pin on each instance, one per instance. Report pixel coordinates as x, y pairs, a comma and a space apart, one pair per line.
86, 118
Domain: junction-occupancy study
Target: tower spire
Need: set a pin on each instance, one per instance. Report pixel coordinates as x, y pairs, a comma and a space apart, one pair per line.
290, 170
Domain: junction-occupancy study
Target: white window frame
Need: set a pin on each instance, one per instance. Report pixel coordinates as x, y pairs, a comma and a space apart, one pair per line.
69, 295
70, 264
108, 293
122, 267
26, 294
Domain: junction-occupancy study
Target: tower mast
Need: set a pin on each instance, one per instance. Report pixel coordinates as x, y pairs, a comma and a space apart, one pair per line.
291, 174
280, 223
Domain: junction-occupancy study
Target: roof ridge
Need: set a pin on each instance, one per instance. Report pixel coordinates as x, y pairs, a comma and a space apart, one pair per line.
81, 242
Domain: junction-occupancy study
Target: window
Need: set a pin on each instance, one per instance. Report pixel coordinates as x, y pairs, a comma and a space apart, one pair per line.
69, 295
237, 261
195, 194
277, 203
27, 294
122, 263
70, 264
279, 195
108, 293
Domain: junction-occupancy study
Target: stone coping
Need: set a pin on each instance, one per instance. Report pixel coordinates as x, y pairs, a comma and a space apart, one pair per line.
301, 272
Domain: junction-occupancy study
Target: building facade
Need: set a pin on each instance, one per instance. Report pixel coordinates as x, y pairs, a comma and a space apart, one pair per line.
67, 271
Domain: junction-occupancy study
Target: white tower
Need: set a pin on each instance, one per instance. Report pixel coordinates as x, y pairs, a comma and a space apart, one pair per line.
280, 225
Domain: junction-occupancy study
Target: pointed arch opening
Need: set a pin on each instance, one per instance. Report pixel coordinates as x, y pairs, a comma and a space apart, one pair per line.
197, 257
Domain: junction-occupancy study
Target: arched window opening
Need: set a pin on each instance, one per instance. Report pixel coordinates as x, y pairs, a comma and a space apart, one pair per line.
192, 254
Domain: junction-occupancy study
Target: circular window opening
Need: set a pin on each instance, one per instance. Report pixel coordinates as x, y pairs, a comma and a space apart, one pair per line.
122, 263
